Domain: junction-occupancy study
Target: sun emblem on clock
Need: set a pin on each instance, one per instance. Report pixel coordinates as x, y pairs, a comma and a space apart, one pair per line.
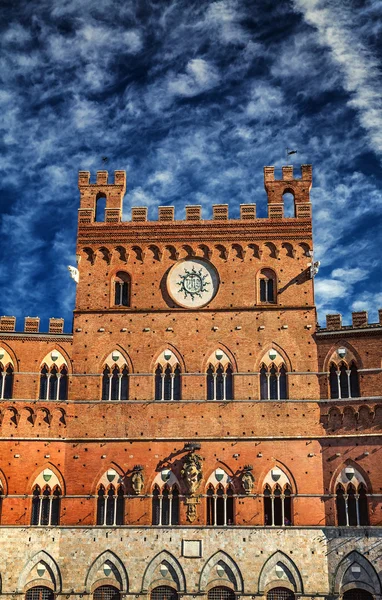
193, 283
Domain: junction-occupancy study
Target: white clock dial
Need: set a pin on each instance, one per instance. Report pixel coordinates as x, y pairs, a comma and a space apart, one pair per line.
192, 283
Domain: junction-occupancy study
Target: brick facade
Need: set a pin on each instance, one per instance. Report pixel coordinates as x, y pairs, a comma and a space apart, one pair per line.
256, 431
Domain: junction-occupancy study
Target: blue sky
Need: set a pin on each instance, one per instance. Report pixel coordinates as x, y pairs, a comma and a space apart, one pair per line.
192, 99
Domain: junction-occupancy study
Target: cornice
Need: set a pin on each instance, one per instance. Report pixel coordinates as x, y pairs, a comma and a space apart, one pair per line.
375, 329
40, 337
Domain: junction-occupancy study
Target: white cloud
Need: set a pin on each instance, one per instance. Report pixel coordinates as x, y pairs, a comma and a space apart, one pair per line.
200, 77
337, 28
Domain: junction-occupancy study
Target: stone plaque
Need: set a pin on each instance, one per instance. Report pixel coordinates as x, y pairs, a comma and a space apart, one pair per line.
192, 548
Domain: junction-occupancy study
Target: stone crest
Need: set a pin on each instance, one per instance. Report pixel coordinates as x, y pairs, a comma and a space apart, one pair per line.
247, 479
192, 472
137, 479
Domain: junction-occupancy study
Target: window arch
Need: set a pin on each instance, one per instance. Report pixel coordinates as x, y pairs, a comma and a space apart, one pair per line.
219, 377
351, 498
6, 381
220, 498
267, 286
343, 377
100, 207
168, 381
163, 592
289, 209
221, 593
165, 505
46, 505
277, 494
115, 377
39, 592
110, 499
106, 592
46, 499
273, 382
122, 289
54, 377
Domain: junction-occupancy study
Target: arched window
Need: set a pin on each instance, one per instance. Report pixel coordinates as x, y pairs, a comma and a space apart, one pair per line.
6, 382
220, 505
122, 289
267, 286
39, 592
115, 378
277, 494
100, 207
273, 382
219, 382
45, 506
221, 593
106, 592
110, 506
351, 499
163, 592
165, 506
344, 381
54, 377
289, 206
168, 384
280, 593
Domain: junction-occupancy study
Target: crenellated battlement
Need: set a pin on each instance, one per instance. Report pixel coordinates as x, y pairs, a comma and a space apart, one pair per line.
359, 321
114, 192
31, 325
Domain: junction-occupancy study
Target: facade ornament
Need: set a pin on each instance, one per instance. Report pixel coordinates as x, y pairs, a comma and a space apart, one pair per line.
74, 273
247, 479
137, 479
192, 472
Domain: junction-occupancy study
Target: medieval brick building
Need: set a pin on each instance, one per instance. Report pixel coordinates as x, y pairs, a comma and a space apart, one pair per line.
197, 435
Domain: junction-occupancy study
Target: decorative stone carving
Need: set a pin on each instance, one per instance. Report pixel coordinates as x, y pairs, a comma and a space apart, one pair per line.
247, 479
191, 504
192, 472
137, 479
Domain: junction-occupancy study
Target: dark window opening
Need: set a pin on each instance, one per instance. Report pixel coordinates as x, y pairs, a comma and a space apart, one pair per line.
344, 382
280, 593
155, 506
289, 207
363, 506
39, 592
122, 287
101, 506
100, 211
163, 592
354, 382
340, 506
106, 592
221, 593
333, 382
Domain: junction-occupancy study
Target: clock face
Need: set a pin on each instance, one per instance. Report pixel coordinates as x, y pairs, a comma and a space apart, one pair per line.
192, 283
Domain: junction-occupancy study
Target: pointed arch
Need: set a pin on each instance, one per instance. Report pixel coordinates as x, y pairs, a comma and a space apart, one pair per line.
343, 580
107, 556
211, 349
101, 474
233, 571
3, 483
332, 355
268, 576
51, 566
174, 568
363, 476
39, 470
177, 355
263, 352
9, 356
262, 480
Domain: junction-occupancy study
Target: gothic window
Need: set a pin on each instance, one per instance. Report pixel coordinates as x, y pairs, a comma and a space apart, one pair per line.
220, 505
46, 506
273, 382
221, 593
110, 505
344, 381
163, 592
168, 384
122, 289
280, 593
106, 592
115, 378
351, 499
219, 382
267, 286
277, 499
165, 505
54, 377
39, 592
6, 381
